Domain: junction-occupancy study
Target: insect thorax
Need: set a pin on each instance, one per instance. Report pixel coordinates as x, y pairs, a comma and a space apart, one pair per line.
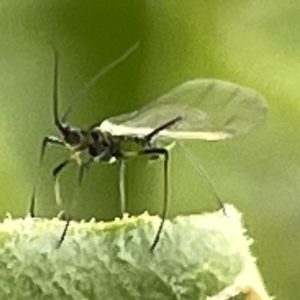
102, 146
115, 147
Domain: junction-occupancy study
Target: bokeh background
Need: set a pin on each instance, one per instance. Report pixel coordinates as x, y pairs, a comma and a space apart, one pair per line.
254, 43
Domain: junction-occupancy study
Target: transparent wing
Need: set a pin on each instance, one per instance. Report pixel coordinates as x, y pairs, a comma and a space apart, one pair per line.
211, 110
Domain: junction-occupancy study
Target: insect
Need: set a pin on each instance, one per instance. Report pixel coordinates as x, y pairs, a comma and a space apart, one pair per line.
200, 109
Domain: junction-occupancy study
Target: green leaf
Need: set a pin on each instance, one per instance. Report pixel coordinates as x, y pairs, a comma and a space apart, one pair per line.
198, 256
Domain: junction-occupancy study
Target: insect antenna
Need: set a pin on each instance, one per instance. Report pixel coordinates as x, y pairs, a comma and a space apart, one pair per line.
101, 73
48, 139
57, 121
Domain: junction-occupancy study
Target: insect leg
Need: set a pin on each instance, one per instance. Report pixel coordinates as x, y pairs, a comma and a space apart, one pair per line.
59, 167
47, 140
122, 187
164, 152
166, 125
62, 215
64, 233
82, 168
55, 173
201, 171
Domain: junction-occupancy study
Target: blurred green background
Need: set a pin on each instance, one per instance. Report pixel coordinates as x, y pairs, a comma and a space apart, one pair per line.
253, 43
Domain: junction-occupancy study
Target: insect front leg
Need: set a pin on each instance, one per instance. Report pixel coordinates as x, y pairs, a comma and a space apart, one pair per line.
161, 152
62, 215
55, 173
67, 217
83, 168
47, 140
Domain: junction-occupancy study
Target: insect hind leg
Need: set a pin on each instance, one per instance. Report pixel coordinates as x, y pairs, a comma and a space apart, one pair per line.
46, 141
164, 126
160, 152
202, 172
